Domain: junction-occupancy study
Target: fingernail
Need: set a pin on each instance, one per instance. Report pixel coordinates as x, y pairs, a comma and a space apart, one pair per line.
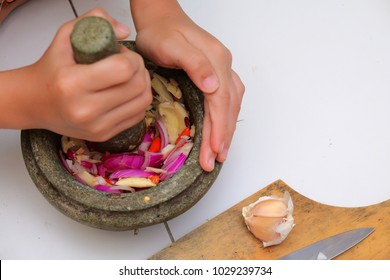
224, 154
210, 84
122, 28
211, 163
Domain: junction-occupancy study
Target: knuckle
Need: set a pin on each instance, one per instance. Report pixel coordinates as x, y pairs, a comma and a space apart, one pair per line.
166, 44
79, 116
220, 51
138, 83
165, 54
61, 81
98, 132
148, 99
139, 117
124, 67
62, 84
130, 67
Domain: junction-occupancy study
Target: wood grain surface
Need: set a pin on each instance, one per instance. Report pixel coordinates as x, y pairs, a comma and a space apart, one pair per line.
226, 236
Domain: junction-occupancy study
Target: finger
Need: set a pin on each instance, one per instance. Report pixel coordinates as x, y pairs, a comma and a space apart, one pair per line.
219, 104
237, 95
111, 71
206, 156
202, 73
107, 125
139, 86
123, 99
125, 124
99, 109
102, 131
179, 53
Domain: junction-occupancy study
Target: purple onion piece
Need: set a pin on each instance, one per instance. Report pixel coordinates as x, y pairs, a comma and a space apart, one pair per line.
163, 133
105, 188
172, 167
124, 173
152, 159
123, 161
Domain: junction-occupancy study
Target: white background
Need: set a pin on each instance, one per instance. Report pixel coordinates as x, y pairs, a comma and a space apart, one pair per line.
316, 114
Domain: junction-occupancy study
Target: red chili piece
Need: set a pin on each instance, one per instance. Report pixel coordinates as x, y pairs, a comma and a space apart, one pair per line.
185, 133
156, 145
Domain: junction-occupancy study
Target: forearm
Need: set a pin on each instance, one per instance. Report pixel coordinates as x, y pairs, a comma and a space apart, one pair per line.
17, 100
145, 11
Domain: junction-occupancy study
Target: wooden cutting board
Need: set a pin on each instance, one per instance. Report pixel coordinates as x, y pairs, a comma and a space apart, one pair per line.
226, 236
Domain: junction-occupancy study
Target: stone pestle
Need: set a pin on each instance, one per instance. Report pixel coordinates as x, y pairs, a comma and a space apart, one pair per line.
93, 39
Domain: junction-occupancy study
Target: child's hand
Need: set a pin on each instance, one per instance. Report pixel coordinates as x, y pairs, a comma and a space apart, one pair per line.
174, 41
93, 102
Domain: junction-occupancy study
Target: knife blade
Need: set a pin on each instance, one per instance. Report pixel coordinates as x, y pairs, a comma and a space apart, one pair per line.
330, 247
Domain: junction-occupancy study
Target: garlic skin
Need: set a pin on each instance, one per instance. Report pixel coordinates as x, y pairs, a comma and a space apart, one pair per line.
270, 218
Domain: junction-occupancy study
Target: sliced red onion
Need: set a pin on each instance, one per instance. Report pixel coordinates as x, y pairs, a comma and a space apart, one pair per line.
163, 133
172, 167
70, 154
125, 188
167, 150
179, 149
94, 169
131, 173
187, 122
174, 153
105, 188
86, 164
102, 170
145, 144
152, 159
65, 162
123, 161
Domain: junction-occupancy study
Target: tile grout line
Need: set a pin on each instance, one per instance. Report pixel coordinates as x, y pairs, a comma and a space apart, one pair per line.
73, 8
169, 232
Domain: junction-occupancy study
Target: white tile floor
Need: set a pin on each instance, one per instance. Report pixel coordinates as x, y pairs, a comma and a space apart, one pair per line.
315, 115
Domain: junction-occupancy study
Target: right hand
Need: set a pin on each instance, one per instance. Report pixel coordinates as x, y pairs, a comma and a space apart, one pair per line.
92, 102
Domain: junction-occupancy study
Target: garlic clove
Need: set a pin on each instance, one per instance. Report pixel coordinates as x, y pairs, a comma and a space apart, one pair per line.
263, 228
270, 218
135, 182
270, 208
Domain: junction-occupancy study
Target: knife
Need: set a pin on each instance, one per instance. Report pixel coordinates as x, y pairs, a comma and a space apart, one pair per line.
330, 247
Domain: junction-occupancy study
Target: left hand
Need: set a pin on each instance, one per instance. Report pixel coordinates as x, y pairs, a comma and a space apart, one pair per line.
175, 41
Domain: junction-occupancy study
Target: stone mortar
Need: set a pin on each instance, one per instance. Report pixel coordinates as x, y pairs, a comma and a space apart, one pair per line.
124, 211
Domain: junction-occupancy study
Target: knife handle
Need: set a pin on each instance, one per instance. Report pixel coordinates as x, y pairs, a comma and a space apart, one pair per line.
93, 39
